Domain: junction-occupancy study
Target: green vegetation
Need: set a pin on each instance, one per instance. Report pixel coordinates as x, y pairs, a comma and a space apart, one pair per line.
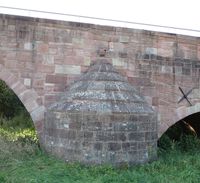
10, 105
22, 161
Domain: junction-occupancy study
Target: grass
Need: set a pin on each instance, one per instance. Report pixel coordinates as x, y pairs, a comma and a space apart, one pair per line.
38, 167
22, 161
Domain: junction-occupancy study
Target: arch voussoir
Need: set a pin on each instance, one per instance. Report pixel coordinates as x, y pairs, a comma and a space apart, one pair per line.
38, 113
28, 97
18, 88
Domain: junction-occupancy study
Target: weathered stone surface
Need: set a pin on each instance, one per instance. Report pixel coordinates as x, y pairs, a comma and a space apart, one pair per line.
82, 97
105, 122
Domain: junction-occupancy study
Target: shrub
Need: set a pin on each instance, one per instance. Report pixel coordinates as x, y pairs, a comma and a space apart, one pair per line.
12, 150
165, 143
20, 121
19, 129
18, 139
186, 143
189, 143
10, 105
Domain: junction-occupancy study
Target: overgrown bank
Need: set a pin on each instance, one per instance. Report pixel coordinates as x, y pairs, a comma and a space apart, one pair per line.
22, 161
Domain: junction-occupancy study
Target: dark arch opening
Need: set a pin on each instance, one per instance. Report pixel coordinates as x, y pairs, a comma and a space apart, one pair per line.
187, 131
10, 105
15, 121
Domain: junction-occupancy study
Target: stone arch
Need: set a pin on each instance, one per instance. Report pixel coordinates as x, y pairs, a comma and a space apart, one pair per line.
28, 97
179, 113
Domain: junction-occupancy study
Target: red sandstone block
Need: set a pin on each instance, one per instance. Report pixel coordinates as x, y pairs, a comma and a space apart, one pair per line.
59, 88
27, 95
45, 68
139, 81
49, 99
42, 48
11, 55
188, 50
21, 65
187, 39
164, 88
130, 73
38, 83
29, 66
165, 47
84, 69
168, 98
122, 71
18, 88
58, 59
57, 79
95, 59
163, 102
186, 81
149, 91
24, 56
155, 101
39, 91
73, 60
11, 64
30, 105
164, 78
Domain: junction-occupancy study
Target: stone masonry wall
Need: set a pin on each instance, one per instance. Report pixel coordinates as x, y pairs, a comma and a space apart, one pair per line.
40, 58
101, 119
92, 138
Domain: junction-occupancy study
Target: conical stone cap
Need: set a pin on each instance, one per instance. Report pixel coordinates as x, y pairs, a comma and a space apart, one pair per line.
102, 89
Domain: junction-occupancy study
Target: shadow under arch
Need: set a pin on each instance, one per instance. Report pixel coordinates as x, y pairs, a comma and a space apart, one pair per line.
28, 97
178, 115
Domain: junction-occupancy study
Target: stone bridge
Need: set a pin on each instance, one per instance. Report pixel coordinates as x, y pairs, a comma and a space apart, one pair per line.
39, 58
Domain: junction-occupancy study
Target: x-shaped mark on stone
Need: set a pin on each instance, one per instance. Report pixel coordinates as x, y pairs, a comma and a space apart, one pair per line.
185, 95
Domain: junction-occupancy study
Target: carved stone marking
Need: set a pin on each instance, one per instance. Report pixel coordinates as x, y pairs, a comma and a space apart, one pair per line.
185, 95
